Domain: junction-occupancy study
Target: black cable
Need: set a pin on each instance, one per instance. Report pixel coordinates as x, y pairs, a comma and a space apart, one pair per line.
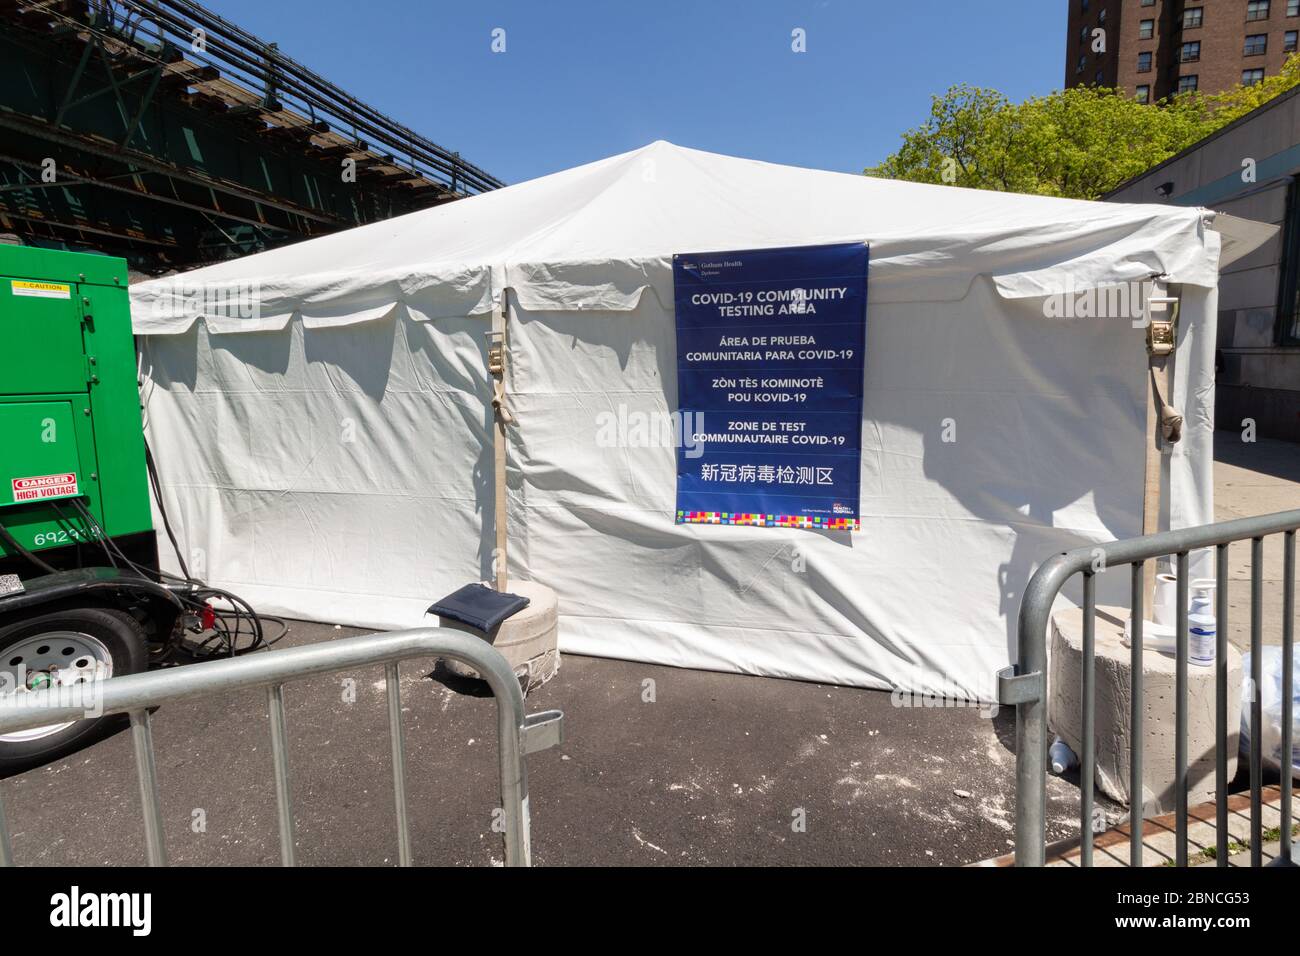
108, 544
64, 520
229, 625
198, 599
11, 543
152, 469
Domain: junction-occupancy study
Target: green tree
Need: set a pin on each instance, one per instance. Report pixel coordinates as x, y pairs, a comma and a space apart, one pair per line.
1077, 143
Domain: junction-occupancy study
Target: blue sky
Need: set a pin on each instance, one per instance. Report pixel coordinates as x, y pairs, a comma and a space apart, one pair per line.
581, 80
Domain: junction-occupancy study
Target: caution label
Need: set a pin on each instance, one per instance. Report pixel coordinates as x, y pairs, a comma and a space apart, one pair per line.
45, 486
40, 290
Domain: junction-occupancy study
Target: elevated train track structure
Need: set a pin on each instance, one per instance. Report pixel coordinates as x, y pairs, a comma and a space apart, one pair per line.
157, 131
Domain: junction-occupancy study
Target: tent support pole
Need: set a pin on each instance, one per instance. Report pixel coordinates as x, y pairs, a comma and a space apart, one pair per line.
1151, 490
1161, 434
501, 418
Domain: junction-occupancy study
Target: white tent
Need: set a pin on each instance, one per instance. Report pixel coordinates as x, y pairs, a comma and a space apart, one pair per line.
329, 456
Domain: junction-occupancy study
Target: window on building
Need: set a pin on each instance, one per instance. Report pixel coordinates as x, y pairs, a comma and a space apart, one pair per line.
1083, 5
1293, 8
1257, 10
1101, 17
1082, 65
1152, 3
1144, 94
1189, 83
1144, 62
1195, 16
1257, 44
1190, 52
1146, 29
1083, 34
1251, 77
1100, 78
1289, 41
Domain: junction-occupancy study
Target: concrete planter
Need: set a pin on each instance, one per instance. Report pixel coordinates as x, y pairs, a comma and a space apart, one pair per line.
1113, 736
529, 640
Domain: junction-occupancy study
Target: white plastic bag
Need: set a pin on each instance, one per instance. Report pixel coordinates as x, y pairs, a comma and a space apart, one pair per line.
1270, 687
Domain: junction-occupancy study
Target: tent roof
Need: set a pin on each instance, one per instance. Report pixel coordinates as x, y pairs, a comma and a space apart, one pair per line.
597, 236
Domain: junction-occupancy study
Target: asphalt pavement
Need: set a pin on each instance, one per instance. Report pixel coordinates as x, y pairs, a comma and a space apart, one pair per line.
717, 769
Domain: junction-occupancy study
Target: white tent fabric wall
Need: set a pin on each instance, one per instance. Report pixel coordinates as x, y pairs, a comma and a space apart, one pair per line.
331, 459
338, 474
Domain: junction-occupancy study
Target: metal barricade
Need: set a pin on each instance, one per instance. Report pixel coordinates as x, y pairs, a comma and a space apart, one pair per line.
1025, 684
517, 734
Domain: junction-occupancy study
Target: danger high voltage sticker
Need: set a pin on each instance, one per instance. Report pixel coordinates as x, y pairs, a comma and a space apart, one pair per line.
44, 486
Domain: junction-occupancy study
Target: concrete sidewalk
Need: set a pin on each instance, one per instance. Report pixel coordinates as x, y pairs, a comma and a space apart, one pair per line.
1254, 479
1160, 838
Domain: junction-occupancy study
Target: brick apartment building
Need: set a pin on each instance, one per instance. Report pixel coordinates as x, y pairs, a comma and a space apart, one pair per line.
1156, 48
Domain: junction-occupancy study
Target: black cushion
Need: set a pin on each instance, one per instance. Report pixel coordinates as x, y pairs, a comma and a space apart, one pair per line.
479, 607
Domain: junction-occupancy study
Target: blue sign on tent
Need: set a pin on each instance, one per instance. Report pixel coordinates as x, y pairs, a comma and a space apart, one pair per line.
770, 350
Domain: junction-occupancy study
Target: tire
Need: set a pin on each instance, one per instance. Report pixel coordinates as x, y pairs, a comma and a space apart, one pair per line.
81, 642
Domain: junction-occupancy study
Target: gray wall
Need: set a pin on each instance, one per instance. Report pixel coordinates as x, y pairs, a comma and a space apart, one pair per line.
1259, 360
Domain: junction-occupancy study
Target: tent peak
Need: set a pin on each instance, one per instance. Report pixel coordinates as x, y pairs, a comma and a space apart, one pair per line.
658, 146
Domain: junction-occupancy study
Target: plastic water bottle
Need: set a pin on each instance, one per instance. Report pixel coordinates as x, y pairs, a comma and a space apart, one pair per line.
1202, 596
1201, 639
1061, 757
1201, 627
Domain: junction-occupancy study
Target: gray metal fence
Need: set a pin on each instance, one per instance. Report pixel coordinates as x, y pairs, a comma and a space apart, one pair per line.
1025, 684
517, 734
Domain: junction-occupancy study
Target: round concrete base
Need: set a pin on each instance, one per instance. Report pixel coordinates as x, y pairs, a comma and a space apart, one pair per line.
1113, 738
529, 640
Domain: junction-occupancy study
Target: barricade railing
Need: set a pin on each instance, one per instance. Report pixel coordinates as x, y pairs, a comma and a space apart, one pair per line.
517, 733
1025, 684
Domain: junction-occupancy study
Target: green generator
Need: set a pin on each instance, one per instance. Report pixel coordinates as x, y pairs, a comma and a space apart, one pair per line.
80, 593
69, 403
